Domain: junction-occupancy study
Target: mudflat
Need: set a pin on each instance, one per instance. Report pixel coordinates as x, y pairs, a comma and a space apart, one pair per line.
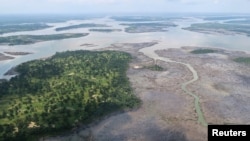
4, 57
167, 112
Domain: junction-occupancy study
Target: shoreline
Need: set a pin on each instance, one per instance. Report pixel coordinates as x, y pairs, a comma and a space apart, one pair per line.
3, 57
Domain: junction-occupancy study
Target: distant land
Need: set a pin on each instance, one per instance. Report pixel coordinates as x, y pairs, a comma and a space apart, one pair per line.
220, 28
85, 25
105, 30
147, 27
31, 39
21, 27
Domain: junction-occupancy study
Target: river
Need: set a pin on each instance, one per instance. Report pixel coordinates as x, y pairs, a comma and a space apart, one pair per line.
174, 38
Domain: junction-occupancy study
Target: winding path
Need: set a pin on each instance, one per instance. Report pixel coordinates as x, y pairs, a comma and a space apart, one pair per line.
200, 115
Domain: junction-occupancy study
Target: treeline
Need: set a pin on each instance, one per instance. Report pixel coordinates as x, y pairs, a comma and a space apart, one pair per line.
63, 92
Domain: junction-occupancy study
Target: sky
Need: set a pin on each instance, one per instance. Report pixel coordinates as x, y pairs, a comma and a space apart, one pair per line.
122, 6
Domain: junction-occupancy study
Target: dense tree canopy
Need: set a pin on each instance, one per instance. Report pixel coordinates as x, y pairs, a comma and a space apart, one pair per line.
62, 92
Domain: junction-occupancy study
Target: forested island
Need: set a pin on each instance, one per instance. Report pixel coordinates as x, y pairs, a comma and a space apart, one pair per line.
22, 27
63, 92
147, 27
227, 29
85, 25
31, 39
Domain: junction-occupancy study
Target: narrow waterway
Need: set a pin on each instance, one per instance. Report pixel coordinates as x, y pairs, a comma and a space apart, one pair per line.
184, 85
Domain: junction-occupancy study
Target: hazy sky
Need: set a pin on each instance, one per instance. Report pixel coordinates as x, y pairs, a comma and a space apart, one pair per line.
123, 6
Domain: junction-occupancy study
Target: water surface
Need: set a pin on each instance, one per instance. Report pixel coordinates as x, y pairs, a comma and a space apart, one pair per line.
175, 37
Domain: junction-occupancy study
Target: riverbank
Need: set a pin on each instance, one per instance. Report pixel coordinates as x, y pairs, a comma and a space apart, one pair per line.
4, 57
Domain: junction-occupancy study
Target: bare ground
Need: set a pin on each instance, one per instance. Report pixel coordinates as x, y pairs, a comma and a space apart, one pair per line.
4, 57
223, 86
167, 113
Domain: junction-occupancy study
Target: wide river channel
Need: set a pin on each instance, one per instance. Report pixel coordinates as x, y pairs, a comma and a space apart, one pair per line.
175, 37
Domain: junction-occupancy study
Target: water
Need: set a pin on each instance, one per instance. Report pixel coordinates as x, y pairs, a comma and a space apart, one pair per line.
176, 37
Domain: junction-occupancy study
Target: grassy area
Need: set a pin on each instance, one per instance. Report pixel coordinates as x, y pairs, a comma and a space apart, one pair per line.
85, 25
147, 27
21, 27
31, 39
154, 68
245, 60
203, 51
63, 92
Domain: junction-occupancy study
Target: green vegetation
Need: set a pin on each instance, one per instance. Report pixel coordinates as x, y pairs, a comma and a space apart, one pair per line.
21, 27
31, 39
203, 51
154, 68
245, 60
85, 25
220, 28
147, 27
63, 92
105, 30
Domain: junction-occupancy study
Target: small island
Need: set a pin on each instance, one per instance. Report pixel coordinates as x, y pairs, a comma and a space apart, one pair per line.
22, 27
105, 30
219, 28
17, 53
85, 25
88, 45
31, 39
203, 51
147, 27
63, 92
246, 21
